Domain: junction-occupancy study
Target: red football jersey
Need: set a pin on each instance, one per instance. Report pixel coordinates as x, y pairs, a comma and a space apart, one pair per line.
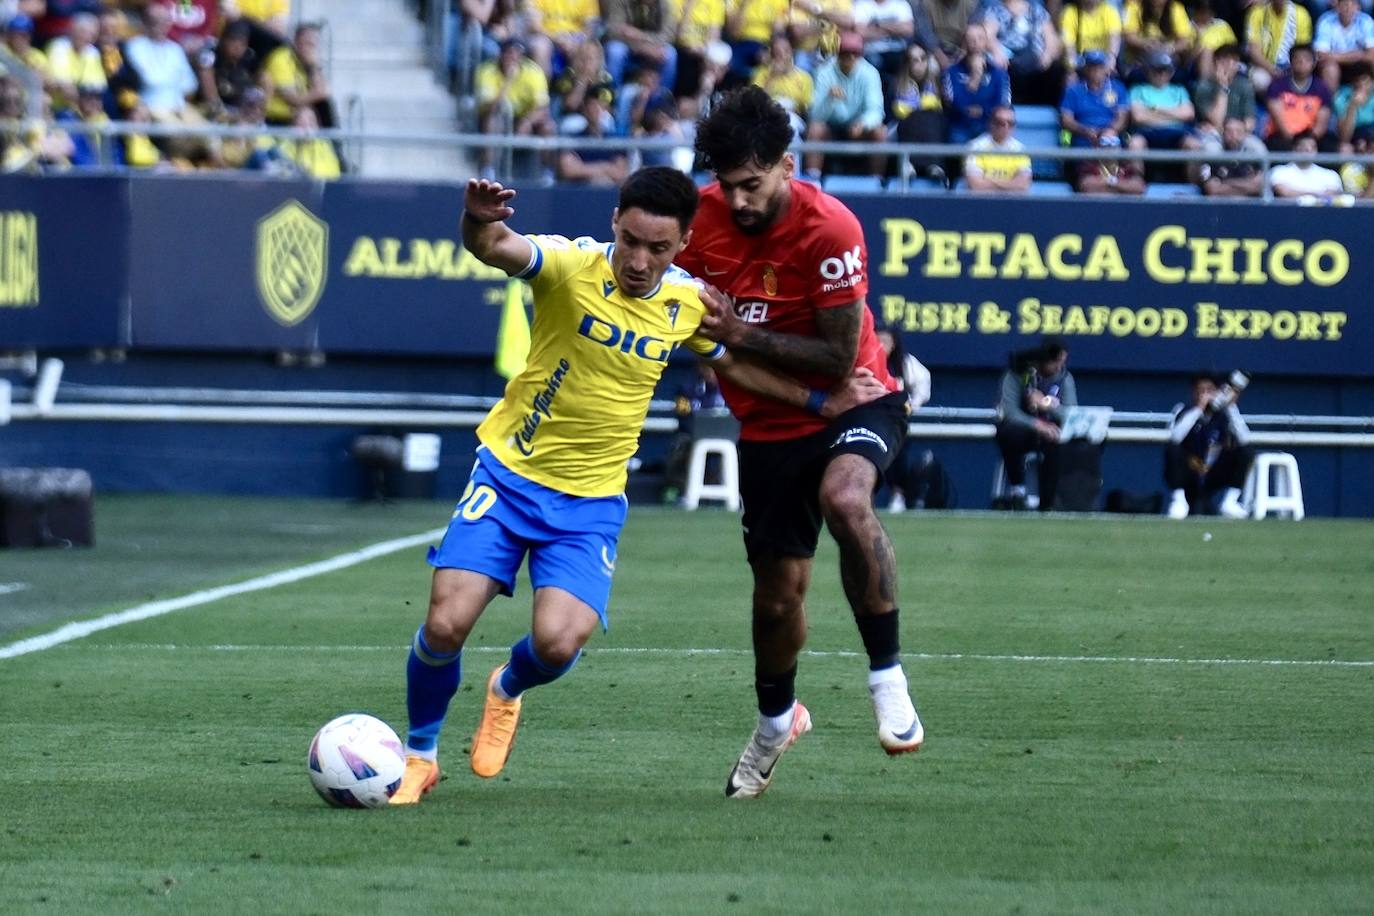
814, 257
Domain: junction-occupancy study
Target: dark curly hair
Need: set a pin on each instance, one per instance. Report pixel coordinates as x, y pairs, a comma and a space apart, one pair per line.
745, 127
662, 191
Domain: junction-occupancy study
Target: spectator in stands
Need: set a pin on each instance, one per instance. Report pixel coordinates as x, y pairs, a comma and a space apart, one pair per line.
749, 25
1354, 108
19, 42
227, 70
167, 81
1272, 29
1226, 93
1212, 33
1090, 25
697, 25
1345, 37
815, 26
74, 60
1111, 174
89, 111
1355, 177
997, 161
259, 153
640, 32
1208, 452
557, 28
640, 94
293, 78
887, 26
1298, 102
949, 19
1230, 177
311, 156
787, 84
605, 167
660, 122
136, 151
1022, 40
586, 73
1095, 106
270, 14
1160, 109
973, 87
1035, 389
512, 98
848, 103
1153, 27
917, 111
195, 24
1304, 179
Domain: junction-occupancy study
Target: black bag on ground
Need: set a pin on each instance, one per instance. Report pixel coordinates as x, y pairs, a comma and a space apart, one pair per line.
1080, 476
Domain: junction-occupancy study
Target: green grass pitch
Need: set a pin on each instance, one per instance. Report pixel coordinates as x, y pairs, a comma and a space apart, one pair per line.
1122, 716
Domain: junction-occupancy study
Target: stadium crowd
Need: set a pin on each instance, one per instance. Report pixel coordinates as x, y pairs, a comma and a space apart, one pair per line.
1214, 76
69, 64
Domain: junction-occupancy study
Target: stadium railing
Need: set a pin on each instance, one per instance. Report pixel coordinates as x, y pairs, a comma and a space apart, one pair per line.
902, 182
80, 402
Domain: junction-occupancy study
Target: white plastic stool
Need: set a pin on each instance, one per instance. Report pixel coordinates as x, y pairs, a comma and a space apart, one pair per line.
1273, 486
697, 487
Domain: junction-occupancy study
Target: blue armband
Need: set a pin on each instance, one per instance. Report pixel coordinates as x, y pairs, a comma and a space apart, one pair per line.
816, 402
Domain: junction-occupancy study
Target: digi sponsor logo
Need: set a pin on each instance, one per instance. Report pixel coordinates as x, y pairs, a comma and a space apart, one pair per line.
654, 349
859, 434
842, 272
18, 258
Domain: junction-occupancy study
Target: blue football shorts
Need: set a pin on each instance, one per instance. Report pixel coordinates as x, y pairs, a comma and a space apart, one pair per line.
571, 540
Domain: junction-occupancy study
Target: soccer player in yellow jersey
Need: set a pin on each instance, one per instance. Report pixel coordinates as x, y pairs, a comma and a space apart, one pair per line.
550, 473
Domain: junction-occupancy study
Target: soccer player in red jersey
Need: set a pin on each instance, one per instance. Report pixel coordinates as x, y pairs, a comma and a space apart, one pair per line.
792, 262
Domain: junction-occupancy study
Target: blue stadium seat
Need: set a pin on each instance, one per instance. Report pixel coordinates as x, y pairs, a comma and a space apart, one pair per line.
1168, 189
1038, 126
852, 184
1040, 188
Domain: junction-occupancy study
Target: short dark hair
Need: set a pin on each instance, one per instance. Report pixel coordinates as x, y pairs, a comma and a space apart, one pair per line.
1360, 68
1230, 49
1052, 348
745, 127
662, 191
1301, 48
1203, 375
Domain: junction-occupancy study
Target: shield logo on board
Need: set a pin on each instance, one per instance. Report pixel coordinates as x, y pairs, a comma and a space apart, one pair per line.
292, 262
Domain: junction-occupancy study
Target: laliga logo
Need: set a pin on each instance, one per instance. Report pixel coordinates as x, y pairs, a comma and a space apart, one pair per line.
850, 268
654, 349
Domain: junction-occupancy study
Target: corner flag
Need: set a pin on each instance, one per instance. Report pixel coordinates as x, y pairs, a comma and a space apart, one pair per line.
513, 335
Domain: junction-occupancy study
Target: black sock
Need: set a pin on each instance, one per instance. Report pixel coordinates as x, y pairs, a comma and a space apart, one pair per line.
879, 633
776, 692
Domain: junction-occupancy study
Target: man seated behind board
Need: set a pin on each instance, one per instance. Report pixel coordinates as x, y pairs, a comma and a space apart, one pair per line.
1208, 451
1035, 390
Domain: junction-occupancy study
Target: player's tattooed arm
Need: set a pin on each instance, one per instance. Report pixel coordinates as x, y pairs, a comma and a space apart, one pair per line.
859, 387
833, 352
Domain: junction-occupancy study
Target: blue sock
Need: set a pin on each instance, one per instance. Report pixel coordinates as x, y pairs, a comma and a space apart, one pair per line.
431, 681
527, 670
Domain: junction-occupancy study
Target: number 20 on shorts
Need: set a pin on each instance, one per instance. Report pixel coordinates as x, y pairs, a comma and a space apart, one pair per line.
475, 502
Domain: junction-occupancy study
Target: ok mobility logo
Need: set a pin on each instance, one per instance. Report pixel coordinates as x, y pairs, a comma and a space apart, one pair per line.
292, 262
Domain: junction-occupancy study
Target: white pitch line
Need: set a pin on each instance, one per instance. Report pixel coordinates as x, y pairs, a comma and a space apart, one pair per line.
7, 588
687, 653
81, 629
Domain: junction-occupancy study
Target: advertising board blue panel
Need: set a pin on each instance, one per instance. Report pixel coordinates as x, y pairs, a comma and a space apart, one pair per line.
63, 251
1128, 285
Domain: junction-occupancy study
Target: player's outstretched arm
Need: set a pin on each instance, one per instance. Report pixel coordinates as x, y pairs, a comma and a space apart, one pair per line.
486, 207
833, 352
860, 387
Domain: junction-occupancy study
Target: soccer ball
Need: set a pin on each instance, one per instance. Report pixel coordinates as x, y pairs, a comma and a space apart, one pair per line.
356, 761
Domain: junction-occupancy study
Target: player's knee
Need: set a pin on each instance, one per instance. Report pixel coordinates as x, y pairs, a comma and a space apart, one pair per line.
778, 606
442, 632
845, 502
558, 650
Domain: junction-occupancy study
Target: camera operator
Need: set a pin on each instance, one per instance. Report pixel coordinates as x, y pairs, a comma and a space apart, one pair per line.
1208, 451
1035, 390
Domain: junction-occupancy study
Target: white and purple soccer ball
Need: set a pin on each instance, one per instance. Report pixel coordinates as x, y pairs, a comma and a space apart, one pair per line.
356, 761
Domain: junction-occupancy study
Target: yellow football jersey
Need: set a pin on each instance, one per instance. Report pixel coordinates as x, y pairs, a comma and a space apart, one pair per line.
571, 420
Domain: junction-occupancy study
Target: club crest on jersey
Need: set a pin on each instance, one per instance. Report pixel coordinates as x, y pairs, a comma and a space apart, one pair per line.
607, 287
672, 306
770, 280
859, 434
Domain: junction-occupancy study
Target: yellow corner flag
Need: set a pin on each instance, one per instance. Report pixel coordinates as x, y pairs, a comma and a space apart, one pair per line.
513, 336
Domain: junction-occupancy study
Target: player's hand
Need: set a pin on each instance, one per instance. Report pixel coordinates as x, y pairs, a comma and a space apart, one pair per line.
720, 323
859, 388
487, 201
